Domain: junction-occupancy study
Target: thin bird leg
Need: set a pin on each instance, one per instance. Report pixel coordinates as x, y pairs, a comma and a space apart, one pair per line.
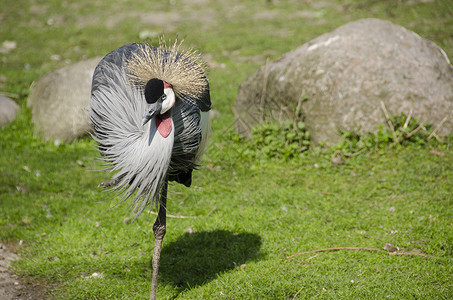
159, 229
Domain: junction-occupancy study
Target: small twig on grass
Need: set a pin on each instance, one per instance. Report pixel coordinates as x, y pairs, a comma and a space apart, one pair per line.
409, 253
392, 129
299, 105
408, 119
355, 153
263, 91
421, 126
333, 249
212, 210
295, 295
311, 257
173, 216
356, 249
437, 128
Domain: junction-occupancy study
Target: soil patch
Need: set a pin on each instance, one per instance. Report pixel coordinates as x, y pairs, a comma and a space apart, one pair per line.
12, 287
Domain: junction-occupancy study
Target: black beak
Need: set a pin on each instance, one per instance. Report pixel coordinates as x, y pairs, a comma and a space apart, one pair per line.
151, 110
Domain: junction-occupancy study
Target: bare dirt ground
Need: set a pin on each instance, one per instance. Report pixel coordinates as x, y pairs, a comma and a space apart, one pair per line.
11, 287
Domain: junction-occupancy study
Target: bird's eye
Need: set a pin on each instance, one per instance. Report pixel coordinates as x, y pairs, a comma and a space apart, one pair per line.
164, 97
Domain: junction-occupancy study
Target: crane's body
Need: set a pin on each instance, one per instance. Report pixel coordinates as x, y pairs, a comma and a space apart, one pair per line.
149, 114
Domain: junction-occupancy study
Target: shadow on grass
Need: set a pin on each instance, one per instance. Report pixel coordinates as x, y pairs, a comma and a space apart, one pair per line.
197, 258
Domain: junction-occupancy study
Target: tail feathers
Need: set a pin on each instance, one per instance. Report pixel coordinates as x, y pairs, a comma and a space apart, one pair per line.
205, 125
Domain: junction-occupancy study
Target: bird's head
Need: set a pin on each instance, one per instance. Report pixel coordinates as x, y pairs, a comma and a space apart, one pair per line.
159, 98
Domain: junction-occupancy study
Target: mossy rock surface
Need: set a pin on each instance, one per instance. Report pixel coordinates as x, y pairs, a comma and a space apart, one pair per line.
8, 110
59, 101
337, 81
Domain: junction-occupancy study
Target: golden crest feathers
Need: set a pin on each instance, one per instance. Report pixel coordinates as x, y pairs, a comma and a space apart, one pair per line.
182, 68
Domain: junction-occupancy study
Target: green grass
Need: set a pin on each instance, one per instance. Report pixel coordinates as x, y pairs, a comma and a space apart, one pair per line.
265, 210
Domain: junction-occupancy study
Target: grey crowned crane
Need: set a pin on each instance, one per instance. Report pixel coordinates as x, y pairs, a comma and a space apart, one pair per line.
149, 115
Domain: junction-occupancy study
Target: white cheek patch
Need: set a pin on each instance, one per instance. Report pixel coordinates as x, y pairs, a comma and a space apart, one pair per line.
169, 100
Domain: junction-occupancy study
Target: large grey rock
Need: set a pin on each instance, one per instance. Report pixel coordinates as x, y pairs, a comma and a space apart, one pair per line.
8, 110
60, 100
339, 79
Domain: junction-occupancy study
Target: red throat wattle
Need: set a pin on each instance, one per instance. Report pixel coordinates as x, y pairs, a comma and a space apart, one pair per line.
163, 123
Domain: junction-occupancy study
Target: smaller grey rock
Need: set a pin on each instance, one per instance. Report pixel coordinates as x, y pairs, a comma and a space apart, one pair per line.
7, 46
59, 101
8, 110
